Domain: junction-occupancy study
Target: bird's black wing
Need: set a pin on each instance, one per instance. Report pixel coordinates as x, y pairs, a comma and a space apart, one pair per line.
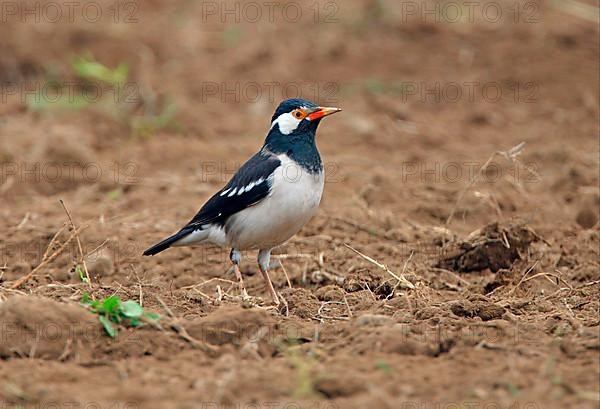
247, 187
251, 184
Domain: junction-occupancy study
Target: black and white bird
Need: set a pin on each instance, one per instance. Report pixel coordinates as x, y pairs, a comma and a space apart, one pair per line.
271, 197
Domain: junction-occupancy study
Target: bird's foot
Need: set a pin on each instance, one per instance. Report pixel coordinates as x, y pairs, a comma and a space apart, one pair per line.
242, 287
270, 288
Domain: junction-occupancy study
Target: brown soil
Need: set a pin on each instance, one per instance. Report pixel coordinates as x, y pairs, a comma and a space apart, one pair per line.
505, 305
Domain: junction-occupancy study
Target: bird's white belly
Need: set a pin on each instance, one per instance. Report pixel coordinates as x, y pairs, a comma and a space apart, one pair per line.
294, 199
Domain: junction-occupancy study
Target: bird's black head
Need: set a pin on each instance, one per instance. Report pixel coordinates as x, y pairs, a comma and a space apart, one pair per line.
294, 125
297, 116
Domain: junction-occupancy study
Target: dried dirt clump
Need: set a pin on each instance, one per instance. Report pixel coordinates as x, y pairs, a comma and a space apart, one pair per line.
482, 309
494, 247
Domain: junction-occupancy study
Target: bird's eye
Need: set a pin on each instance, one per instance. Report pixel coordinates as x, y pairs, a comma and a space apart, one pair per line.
299, 114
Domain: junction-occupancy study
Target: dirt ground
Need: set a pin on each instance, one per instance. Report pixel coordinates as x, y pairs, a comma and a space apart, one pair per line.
498, 305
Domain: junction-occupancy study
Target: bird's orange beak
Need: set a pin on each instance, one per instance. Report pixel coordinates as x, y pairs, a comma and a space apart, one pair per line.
321, 112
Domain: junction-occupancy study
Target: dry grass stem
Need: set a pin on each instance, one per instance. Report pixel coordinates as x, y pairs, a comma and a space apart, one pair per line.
46, 259
529, 270
79, 246
510, 155
401, 279
287, 277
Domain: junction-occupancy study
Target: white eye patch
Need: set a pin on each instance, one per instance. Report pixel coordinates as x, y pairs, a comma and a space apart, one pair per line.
287, 123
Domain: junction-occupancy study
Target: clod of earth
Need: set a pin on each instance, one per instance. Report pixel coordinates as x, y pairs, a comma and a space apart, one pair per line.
482, 309
494, 247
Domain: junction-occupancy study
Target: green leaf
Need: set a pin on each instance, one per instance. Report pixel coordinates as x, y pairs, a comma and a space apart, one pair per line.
112, 313
111, 305
131, 309
108, 327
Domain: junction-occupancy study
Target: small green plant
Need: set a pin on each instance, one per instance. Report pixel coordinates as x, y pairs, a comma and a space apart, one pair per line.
146, 125
56, 99
231, 36
305, 365
115, 194
81, 273
375, 86
513, 389
305, 382
86, 67
108, 91
384, 367
112, 310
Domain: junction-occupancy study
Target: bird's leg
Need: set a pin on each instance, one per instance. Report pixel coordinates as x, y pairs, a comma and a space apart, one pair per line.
236, 257
264, 257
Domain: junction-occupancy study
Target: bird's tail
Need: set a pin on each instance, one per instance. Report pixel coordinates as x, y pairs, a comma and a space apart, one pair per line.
166, 243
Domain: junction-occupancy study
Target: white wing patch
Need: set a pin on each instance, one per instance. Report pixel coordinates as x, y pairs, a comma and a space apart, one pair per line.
230, 192
291, 202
